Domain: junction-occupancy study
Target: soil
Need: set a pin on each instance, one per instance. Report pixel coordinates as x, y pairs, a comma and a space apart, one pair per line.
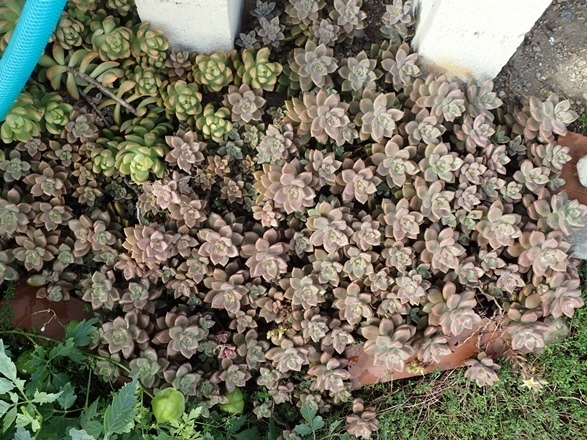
552, 58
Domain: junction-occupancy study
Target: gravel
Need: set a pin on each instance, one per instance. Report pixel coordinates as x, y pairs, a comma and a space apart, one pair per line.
552, 58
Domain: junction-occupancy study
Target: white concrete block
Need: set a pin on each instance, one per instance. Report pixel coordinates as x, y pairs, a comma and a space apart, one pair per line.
472, 38
200, 25
582, 171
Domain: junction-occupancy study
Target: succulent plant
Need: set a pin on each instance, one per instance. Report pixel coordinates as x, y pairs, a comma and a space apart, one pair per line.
271, 31
183, 100
452, 311
123, 334
353, 305
287, 357
349, 17
328, 226
363, 421
425, 128
226, 292
312, 65
149, 43
22, 122
245, 105
543, 252
358, 73
397, 18
288, 186
482, 370
265, 256
393, 162
357, 183
220, 243
325, 32
100, 291
182, 334
388, 343
275, 145
213, 123
378, 115
150, 245
498, 229
402, 69
212, 71
444, 98
186, 150
548, 118
329, 118
256, 71
110, 40
178, 65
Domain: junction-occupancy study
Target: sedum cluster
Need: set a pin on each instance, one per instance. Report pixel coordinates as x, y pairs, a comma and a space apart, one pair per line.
228, 241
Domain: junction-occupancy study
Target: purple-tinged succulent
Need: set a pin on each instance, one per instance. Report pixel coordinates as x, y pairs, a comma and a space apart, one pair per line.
402, 70
182, 334
303, 290
245, 104
226, 291
388, 343
353, 304
265, 256
313, 64
400, 221
442, 250
439, 163
100, 291
35, 248
393, 162
363, 421
148, 367
150, 245
186, 150
545, 254
349, 16
287, 357
482, 370
563, 296
357, 181
452, 311
220, 243
527, 333
123, 333
329, 227
378, 115
358, 73
498, 228
425, 128
290, 186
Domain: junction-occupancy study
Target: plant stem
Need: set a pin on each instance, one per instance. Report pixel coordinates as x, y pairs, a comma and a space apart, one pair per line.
103, 89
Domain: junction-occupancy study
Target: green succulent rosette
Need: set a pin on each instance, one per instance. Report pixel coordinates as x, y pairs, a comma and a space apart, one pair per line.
138, 157
183, 100
213, 71
151, 44
22, 121
110, 40
256, 71
103, 161
56, 113
214, 124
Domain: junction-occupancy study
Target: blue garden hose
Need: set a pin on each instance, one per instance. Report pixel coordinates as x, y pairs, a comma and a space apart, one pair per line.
33, 30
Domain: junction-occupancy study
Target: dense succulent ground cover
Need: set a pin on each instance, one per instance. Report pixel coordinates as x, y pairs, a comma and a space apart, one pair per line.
228, 239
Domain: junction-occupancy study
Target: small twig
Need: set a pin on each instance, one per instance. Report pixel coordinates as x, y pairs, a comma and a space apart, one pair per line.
95, 108
103, 89
574, 398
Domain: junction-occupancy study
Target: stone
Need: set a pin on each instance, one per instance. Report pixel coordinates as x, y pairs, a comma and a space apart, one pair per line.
466, 39
582, 171
203, 26
574, 186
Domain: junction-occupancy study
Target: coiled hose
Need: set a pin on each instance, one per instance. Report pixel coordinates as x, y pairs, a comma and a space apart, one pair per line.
33, 30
